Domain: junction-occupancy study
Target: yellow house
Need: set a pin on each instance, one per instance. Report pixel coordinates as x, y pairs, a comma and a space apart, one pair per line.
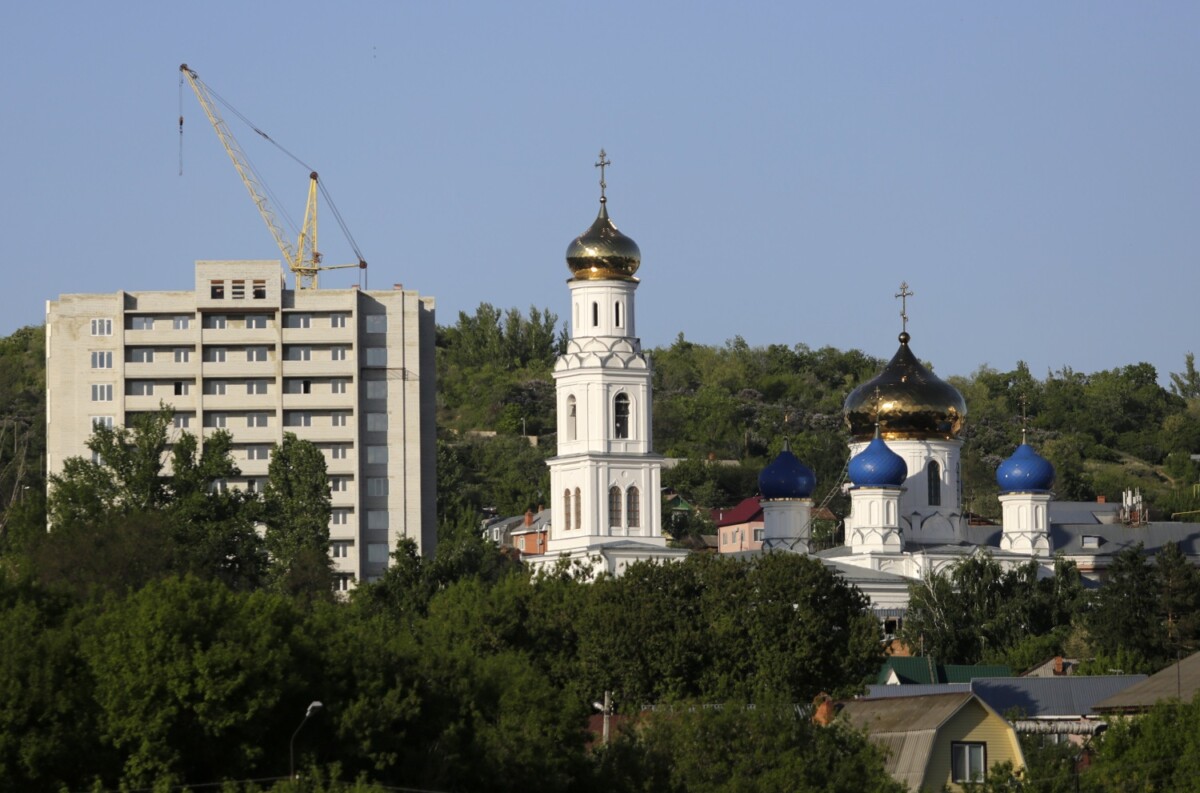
936, 740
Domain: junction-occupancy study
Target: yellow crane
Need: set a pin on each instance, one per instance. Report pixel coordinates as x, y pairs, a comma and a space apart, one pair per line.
303, 259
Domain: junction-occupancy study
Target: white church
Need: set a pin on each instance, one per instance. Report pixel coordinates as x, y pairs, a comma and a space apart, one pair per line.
906, 519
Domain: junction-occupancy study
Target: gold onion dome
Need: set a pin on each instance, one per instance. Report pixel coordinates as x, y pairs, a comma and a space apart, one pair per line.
603, 253
911, 402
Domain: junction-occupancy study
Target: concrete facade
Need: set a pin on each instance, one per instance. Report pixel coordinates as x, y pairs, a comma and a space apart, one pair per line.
347, 369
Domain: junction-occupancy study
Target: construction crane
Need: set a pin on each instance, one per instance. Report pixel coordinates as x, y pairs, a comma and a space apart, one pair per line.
303, 259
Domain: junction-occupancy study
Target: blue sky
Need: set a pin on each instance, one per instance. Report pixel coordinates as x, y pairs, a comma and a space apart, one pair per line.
1032, 170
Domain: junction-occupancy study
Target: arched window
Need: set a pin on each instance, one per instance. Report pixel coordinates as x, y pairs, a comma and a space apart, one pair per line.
933, 473
621, 416
567, 509
617, 313
614, 506
595, 314
578, 509
633, 508
571, 417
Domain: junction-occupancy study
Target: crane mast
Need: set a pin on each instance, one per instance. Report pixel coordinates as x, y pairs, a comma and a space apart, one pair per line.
303, 259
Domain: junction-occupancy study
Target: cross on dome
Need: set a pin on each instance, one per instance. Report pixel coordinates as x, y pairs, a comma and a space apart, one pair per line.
904, 294
602, 163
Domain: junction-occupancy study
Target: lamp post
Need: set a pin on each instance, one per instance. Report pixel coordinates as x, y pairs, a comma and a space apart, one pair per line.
313, 707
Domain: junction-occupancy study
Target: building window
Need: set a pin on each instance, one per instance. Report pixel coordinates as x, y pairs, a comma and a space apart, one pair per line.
377, 486
256, 387
181, 421
342, 583
759, 533
139, 387
214, 354
237, 289
141, 323
339, 517
337, 320
181, 322
968, 762
338, 452
258, 453
141, 355
256, 354
1091, 541
182, 354
376, 389
377, 552
252, 486
217, 420
376, 356
377, 518
376, 323
259, 287
183, 387
298, 418
297, 320
306, 386
214, 387
337, 353
578, 509
595, 314
614, 506
571, 415
633, 508
297, 353
101, 327
338, 419
621, 416
339, 484
216, 289
933, 473
567, 508
101, 359
216, 322
376, 422
337, 386
376, 455
617, 313
102, 392
256, 321
256, 419
102, 421
339, 549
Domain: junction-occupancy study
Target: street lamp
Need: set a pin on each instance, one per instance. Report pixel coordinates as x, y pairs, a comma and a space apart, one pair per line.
313, 707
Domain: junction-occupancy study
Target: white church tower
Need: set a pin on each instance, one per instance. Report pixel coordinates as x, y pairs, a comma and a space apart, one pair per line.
605, 480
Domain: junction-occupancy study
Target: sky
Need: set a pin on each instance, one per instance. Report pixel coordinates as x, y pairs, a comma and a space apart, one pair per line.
1031, 170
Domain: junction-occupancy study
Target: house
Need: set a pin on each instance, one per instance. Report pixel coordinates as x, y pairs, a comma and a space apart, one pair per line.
739, 528
1179, 681
904, 670
936, 741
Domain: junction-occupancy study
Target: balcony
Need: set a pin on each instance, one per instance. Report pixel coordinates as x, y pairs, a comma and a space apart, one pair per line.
230, 335
163, 368
236, 365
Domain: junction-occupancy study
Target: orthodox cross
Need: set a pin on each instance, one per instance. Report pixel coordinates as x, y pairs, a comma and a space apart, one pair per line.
877, 401
601, 164
904, 294
1024, 400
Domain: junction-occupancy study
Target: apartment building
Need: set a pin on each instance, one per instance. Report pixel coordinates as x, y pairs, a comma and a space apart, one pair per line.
347, 369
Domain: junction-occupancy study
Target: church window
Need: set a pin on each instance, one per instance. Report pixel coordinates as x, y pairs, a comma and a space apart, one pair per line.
621, 416
933, 473
614, 506
595, 314
617, 313
633, 508
567, 508
578, 509
571, 417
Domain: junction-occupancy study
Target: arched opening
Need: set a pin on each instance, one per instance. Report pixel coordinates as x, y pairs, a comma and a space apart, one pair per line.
614, 506
621, 416
567, 509
633, 508
571, 417
933, 474
578, 509
595, 315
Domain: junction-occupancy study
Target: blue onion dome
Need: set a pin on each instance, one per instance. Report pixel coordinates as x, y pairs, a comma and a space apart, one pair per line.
1025, 471
603, 253
786, 477
877, 466
908, 402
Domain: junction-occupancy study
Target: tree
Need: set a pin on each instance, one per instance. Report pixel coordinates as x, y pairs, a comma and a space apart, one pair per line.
1122, 616
297, 510
1186, 385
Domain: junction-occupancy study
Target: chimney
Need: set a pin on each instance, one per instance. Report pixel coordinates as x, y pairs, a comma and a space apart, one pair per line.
1058, 665
528, 518
825, 711
398, 287
541, 507
1101, 499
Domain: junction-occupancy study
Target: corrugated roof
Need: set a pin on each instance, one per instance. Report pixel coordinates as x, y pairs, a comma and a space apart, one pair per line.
744, 512
906, 727
926, 670
1051, 697
1178, 681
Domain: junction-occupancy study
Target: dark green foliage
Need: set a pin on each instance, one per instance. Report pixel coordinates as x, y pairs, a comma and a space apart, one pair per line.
1159, 750
296, 510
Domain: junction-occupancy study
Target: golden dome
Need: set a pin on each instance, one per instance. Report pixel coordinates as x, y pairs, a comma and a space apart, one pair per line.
912, 402
603, 253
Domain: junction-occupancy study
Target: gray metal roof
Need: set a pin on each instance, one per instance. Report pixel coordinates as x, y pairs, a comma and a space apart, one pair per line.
1050, 697
1178, 681
881, 691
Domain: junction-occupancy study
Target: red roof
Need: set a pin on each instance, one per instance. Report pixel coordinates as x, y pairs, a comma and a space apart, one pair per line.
745, 512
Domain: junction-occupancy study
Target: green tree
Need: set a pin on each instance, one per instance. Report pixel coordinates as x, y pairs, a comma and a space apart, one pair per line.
1122, 616
296, 511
